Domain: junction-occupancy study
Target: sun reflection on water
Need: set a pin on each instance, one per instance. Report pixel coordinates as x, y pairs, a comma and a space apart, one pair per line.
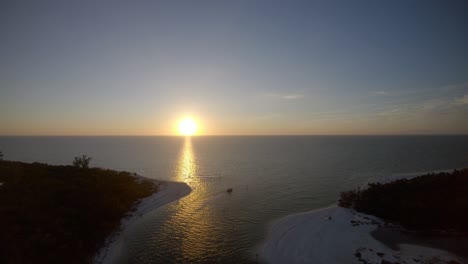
187, 168
192, 218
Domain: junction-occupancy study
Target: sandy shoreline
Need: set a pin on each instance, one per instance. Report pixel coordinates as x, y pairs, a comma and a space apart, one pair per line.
168, 192
338, 235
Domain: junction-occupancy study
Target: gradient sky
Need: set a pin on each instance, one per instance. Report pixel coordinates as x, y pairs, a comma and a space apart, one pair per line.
239, 67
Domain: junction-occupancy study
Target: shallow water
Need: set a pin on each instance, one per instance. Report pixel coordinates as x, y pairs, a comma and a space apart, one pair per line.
271, 177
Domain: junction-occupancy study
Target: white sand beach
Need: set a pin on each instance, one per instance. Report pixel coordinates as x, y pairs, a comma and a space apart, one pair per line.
338, 235
168, 192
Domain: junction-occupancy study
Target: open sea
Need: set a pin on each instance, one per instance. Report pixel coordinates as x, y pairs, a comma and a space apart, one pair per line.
271, 177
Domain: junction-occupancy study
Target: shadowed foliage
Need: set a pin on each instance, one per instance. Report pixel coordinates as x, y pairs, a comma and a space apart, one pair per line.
427, 202
82, 162
62, 214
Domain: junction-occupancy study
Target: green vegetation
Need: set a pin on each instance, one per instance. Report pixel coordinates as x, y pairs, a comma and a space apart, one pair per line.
428, 202
82, 162
62, 214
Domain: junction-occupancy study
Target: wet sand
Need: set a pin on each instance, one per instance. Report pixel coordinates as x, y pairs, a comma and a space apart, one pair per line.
454, 243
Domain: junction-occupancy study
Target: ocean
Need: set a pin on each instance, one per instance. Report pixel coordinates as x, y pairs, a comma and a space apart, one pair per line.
271, 177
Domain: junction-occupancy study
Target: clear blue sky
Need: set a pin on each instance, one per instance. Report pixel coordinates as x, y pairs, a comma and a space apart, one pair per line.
238, 67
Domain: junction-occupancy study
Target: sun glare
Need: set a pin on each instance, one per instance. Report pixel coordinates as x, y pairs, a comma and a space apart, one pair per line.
187, 127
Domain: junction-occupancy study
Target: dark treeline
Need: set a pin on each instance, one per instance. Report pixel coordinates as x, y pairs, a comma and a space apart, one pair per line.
62, 214
428, 202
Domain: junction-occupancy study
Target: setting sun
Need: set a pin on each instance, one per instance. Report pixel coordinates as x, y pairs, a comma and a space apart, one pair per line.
187, 127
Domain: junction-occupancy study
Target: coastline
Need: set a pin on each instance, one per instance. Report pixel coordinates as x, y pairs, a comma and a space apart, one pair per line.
168, 192
338, 235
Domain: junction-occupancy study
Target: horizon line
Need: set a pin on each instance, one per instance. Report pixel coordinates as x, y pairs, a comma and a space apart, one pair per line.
244, 135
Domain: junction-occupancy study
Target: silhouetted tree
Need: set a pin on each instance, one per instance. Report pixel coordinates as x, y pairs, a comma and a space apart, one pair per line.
412, 203
1, 155
82, 162
62, 214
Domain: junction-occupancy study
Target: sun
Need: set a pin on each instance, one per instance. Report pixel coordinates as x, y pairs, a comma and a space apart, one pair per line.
187, 127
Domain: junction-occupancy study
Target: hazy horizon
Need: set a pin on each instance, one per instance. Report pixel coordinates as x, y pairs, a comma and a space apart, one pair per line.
246, 135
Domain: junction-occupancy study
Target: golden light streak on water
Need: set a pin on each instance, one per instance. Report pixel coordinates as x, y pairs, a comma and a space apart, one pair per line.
187, 167
192, 218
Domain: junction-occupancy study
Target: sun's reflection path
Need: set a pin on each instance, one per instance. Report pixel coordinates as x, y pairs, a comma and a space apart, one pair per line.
187, 168
191, 225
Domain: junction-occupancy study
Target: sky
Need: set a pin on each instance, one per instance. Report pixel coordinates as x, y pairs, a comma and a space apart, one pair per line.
237, 67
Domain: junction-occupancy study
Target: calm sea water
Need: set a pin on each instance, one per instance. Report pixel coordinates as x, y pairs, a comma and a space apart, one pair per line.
271, 177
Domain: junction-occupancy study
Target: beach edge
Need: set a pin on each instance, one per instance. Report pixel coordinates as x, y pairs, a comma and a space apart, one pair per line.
335, 234
168, 191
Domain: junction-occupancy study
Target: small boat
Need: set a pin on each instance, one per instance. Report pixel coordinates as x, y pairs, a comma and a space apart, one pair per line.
229, 190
